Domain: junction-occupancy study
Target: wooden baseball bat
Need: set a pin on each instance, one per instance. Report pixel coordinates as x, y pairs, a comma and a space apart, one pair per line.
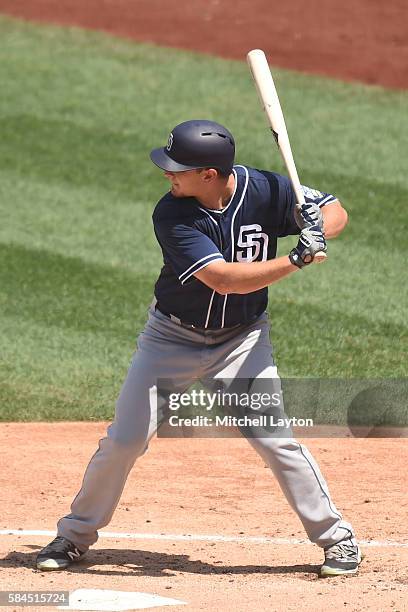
268, 95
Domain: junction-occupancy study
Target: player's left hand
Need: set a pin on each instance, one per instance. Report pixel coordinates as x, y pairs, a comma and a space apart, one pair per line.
311, 241
309, 214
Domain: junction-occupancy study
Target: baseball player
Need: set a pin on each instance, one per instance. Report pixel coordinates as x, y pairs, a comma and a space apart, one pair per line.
218, 228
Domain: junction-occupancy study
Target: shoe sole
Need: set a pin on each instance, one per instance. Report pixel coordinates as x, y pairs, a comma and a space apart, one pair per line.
51, 565
331, 571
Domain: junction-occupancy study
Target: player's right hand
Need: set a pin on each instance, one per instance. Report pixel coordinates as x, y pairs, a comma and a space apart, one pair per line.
309, 214
311, 241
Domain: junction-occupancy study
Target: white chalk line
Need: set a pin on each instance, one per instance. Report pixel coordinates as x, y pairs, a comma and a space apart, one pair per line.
199, 538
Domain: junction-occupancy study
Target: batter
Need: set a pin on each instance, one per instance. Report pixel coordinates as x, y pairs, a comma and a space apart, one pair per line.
218, 228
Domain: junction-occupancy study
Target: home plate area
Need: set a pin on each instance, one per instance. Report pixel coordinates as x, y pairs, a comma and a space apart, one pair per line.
102, 599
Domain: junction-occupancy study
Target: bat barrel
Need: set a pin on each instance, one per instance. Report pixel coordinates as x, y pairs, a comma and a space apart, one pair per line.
268, 95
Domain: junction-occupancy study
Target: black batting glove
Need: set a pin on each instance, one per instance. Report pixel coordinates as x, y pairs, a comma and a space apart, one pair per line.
308, 215
311, 241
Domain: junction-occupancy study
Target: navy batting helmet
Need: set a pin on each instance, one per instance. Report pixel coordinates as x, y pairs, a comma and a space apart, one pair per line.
196, 144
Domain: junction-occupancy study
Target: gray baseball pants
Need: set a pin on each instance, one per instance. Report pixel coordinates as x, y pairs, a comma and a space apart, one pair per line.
167, 350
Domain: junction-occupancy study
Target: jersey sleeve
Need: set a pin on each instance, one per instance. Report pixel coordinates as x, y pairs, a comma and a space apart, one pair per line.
287, 204
184, 247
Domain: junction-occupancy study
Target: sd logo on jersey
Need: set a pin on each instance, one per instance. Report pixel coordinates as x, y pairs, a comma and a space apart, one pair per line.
252, 239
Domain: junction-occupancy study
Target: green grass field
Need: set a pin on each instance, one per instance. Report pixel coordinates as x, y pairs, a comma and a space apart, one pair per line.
79, 113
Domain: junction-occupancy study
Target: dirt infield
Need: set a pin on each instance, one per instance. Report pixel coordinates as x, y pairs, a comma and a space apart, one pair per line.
186, 486
358, 39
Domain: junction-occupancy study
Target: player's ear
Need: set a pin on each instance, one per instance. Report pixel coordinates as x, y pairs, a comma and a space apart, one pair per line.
210, 174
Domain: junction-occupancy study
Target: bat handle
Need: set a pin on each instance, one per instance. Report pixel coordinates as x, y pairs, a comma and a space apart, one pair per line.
320, 257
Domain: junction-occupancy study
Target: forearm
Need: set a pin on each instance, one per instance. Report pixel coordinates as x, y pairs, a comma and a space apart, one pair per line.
225, 277
245, 277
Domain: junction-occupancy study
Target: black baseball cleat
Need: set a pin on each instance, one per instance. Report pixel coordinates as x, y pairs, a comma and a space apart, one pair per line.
341, 559
58, 555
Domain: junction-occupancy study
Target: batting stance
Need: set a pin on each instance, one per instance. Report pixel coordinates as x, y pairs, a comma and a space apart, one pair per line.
218, 228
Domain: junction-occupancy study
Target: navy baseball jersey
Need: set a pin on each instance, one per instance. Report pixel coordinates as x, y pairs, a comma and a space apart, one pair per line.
260, 211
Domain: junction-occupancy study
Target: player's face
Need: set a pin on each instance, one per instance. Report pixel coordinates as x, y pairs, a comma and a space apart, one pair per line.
185, 184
